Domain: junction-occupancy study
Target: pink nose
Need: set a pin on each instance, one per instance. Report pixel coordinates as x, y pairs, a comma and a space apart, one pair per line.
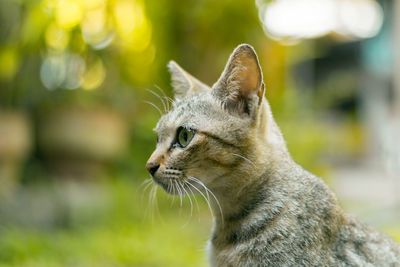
152, 167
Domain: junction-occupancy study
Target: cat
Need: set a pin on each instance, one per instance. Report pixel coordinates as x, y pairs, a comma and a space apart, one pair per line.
222, 142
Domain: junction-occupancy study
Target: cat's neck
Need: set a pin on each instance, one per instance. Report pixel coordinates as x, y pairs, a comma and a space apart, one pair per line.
237, 198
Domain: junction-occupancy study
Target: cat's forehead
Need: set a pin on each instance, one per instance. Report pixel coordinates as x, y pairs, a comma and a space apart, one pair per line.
190, 112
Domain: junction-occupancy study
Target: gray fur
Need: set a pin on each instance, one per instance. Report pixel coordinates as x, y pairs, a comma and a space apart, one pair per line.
274, 213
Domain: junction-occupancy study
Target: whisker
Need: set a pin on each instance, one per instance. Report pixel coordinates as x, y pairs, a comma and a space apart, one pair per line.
194, 196
200, 183
181, 195
159, 97
169, 186
208, 190
149, 210
190, 199
172, 191
217, 201
160, 89
144, 182
246, 159
179, 191
149, 184
167, 103
146, 188
205, 198
168, 99
159, 110
156, 203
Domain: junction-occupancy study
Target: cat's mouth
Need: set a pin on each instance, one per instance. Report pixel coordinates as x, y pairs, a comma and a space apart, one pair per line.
170, 179
175, 185
161, 183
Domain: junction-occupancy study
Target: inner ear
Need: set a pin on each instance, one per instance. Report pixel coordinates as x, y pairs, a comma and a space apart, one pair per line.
240, 87
248, 75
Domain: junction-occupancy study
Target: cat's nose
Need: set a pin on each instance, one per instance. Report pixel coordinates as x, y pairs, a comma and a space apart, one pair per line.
152, 167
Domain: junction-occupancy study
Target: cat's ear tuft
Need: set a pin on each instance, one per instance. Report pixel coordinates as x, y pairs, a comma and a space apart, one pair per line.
240, 87
183, 83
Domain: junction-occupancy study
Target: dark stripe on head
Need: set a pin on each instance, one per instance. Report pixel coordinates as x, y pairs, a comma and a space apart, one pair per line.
218, 139
226, 165
190, 150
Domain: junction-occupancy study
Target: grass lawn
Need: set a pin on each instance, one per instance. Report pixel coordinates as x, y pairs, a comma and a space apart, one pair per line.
116, 229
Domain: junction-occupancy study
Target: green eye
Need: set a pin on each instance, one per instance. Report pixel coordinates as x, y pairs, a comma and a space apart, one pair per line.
184, 136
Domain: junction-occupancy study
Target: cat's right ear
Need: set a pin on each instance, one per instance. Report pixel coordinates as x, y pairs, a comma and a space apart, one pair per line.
183, 83
240, 87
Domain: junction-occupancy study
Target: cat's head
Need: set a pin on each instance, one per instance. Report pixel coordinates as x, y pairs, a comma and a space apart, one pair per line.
212, 134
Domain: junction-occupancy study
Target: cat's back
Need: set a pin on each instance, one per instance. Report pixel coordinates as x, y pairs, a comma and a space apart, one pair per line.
339, 239
360, 245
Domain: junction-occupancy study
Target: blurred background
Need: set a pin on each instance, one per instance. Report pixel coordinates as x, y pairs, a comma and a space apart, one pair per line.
76, 125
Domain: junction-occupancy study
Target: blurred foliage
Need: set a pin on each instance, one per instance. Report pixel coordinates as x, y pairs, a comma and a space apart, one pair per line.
96, 53
99, 54
108, 44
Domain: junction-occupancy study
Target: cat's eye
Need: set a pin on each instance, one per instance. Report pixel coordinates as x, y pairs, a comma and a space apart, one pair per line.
184, 136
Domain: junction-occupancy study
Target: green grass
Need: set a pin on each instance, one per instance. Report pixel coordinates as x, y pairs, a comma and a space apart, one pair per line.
117, 234
129, 245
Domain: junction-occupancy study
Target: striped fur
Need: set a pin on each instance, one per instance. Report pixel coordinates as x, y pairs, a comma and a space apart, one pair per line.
270, 211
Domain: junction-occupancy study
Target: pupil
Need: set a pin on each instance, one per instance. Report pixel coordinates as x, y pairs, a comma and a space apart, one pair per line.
185, 136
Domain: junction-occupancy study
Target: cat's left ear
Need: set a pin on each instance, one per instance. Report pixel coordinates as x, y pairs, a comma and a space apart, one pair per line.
240, 87
183, 83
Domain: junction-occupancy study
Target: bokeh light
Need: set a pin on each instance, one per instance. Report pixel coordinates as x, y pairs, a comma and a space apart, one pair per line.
82, 27
304, 19
9, 62
68, 13
94, 75
56, 37
97, 28
53, 71
133, 27
362, 19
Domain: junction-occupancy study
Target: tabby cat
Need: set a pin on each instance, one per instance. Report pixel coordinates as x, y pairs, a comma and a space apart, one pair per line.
222, 142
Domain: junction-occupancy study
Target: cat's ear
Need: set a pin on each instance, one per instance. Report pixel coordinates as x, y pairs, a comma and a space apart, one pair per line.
183, 83
240, 87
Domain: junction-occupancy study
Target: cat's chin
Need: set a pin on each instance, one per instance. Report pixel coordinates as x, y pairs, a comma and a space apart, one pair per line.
160, 182
167, 188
